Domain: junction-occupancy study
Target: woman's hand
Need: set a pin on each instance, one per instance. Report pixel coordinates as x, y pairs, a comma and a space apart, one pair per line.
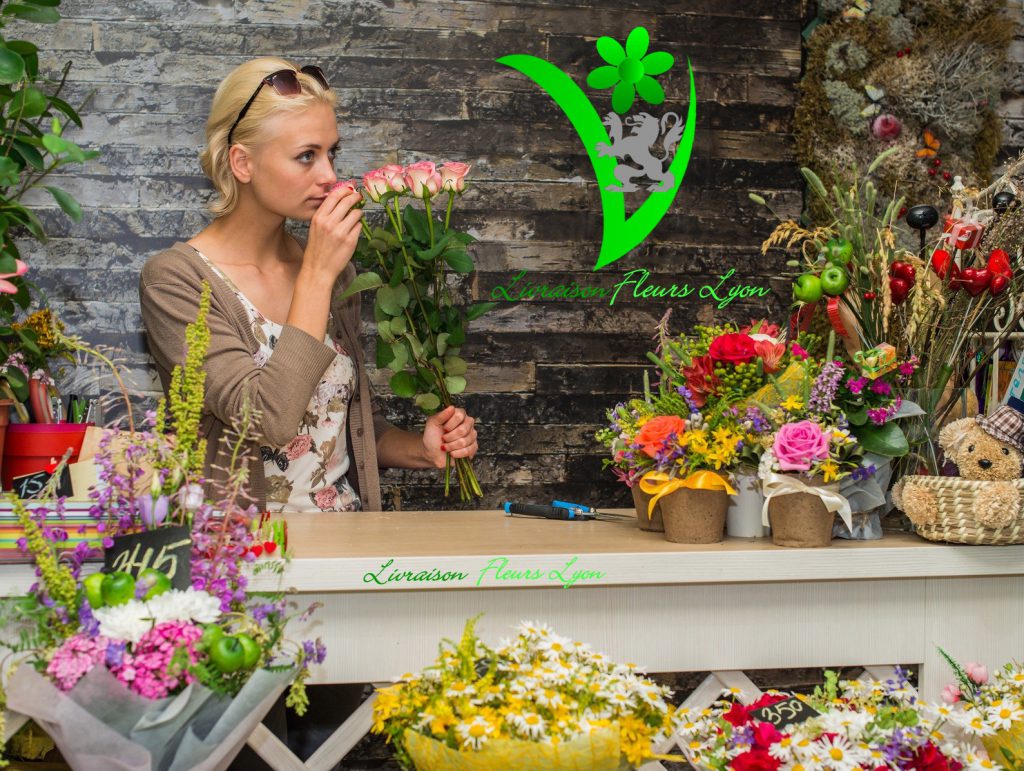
333, 234
450, 431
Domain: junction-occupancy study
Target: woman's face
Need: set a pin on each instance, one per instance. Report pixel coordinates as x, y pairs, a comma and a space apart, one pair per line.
292, 169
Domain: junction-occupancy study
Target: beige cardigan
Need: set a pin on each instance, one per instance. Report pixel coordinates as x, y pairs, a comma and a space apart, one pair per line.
169, 290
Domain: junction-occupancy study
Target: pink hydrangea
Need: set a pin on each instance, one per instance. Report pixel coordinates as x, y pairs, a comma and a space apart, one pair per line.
74, 658
150, 670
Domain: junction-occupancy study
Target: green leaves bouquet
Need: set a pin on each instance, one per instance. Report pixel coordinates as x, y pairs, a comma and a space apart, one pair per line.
406, 259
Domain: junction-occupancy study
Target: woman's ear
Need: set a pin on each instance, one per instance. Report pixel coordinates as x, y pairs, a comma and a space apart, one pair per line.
240, 161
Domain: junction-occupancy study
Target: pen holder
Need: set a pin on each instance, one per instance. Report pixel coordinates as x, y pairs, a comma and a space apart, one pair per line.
30, 446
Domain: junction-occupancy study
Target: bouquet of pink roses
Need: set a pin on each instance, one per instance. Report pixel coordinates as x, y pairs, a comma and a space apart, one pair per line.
406, 259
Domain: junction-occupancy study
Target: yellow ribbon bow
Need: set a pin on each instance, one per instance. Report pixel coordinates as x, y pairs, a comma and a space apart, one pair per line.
658, 484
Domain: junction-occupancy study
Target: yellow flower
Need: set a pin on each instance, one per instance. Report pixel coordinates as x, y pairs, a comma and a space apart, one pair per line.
793, 402
830, 469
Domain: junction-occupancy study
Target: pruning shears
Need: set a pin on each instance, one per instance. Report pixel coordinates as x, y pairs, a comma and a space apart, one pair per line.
562, 510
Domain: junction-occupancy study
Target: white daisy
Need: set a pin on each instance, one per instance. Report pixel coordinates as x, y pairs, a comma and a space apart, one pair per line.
459, 688
530, 724
474, 732
1004, 715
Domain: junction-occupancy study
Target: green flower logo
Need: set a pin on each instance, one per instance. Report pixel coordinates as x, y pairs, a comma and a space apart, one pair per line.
630, 70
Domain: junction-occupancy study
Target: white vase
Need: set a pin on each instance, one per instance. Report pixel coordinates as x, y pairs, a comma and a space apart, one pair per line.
743, 519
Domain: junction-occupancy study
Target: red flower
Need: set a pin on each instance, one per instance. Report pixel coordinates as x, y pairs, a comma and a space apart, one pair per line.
762, 327
928, 758
735, 348
754, 760
770, 354
737, 715
767, 700
765, 735
701, 379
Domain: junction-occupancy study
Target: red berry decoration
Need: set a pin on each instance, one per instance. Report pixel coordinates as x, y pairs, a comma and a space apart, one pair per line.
903, 211
997, 285
256, 549
947, 176
937, 162
899, 289
931, 172
270, 547
899, 54
906, 50
869, 295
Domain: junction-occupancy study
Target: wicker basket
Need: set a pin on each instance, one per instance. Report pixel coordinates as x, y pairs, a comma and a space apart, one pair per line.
953, 519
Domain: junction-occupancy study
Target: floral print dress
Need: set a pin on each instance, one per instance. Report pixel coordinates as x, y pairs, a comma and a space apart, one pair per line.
308, 473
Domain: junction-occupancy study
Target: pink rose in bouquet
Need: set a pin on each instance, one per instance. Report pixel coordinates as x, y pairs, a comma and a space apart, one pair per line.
797, 445
453, 176
422, 179
394, 173
375, 183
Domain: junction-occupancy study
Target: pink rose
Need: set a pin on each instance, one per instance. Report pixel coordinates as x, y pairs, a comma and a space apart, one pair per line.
345, 183
298, 446
395, 175
326, 498
423, 179
886, 126
375, 183
453, 176
951, 694
797, 444
977, 672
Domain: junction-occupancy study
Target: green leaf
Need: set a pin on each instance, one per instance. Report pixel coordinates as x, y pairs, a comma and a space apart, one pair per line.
54, 143
428, 402
442, 343
28, 339
397, 270
29, 154
29, 102
384, 331
27, 218
887, 439
12, 66
428, 254
462, 238
67, 109
66, 202
10, 173
459, 261
457, 336
17, 379
414, 345
7, 263
476, 311
403, 384
393, 299
453, 365
46, 3
455, 384
384, 354
398, 325
32, 13
399, 356
416, 223
361, 283
858, 418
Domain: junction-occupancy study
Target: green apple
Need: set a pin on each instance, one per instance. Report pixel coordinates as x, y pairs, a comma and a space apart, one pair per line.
834, 280
211, 633
807, 288
157, 581
93, 586
839, 250
251, 649
228, 654
117, 588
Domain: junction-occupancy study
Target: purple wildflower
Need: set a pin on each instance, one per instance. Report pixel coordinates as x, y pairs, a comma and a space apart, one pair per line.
823, 392
856, 385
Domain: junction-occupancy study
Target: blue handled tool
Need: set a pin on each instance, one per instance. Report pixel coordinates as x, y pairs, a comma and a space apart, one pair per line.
561, 510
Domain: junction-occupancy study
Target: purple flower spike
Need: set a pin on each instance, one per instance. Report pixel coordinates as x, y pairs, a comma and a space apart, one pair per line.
152, 513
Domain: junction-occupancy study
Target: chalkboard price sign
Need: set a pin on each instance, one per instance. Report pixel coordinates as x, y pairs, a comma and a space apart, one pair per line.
788, 712
167, 549
30, 485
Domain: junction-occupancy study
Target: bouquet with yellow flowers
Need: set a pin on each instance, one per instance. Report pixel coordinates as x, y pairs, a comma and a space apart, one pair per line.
538, 701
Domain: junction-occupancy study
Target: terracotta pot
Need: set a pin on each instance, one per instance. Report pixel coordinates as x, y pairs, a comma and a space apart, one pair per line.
694, 516
653, 523
800, 520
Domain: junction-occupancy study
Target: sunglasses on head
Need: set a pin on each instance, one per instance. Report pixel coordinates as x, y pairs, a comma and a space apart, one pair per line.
285, 83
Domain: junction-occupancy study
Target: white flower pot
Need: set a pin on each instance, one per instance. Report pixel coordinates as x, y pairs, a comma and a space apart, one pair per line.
743, 520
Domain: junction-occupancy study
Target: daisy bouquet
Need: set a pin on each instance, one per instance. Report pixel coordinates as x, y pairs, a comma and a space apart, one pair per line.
854, 724
990, 709
538, 701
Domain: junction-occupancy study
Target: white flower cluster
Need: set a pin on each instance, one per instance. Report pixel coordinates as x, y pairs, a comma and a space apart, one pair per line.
131, 620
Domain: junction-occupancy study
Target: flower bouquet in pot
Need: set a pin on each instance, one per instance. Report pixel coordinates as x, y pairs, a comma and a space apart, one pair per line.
989, 709
629, 461
538, 701
164, 658
844, 725
406, 260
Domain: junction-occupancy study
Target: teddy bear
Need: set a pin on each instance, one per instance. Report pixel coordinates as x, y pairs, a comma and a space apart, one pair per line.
986, 448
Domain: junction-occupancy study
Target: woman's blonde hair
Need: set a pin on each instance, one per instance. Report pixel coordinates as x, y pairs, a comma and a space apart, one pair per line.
231, 96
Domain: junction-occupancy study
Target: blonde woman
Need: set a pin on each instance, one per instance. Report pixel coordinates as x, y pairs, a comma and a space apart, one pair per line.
278, 333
